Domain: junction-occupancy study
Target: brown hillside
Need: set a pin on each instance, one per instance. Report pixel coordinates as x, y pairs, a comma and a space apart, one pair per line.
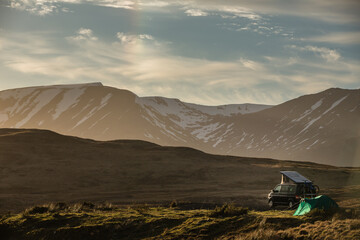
38, 166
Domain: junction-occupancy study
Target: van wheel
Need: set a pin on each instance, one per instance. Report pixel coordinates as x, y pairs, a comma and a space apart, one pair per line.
271, 204
291, 204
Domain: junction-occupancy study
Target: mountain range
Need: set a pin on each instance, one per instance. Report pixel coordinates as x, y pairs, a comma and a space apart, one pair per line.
322, 127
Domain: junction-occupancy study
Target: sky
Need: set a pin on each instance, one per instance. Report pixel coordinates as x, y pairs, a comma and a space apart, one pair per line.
209, 52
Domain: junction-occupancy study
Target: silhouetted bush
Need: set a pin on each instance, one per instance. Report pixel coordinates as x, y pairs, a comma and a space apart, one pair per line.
321, 214
60, 206
87, 205
36, 209
173, 204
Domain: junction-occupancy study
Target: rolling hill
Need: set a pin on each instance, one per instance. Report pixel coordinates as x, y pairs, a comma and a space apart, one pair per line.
40, 166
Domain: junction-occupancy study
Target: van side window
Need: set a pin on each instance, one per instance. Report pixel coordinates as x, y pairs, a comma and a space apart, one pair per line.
284, 188
291, 189
277, 188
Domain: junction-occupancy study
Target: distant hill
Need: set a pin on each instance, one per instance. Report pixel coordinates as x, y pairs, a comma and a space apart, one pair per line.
40, 166
322, 127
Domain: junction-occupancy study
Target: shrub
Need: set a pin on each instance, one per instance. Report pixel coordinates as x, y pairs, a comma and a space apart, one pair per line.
36, 209
87, 205
54, 207
342, 214
321, 214
173, 204
105, 207
228, 210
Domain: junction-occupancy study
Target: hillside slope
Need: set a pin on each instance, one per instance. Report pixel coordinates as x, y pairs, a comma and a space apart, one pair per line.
38, 166
323, 127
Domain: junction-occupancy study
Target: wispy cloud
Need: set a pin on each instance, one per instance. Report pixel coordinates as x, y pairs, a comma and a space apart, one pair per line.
333, 11
154, 70
239, 12
326, 53
84, 34
34, 6
131, 38
250, 64
329, 55
45, 7
343, 38
196, 13
345, 11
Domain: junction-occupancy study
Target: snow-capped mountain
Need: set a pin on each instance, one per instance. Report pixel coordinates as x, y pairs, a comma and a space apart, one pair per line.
322, 127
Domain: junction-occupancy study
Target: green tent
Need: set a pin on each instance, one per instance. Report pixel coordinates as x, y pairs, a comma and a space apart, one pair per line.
320, 202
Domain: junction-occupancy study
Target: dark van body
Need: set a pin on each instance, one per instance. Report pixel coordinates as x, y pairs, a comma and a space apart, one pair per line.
289, 194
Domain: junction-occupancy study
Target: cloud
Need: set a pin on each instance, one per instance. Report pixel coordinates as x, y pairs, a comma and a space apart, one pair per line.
344, 38
124, 38
148, 67
84, 34
133, 39
46, 7
115, 4
250, 64
328, 54
196, 13
34, 6
239, 12
146, 36
334, 11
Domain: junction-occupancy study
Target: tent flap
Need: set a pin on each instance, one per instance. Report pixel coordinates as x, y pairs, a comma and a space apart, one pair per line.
320, 202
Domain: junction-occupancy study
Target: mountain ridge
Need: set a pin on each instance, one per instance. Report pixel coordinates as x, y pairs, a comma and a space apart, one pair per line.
322, 127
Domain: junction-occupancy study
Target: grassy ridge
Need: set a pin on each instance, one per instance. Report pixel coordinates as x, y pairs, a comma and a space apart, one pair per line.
88, 221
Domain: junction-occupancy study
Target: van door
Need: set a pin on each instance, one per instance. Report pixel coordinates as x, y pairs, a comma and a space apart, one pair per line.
284, 194
276, 194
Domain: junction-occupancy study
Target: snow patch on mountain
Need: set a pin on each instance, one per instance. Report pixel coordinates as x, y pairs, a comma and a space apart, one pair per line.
103, 103
228, 110
40, 101
335, 104
70, 98
309, 111
178, 112
204, 132
105, 100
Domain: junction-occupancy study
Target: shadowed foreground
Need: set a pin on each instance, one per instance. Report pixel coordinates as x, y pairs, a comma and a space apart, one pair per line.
88, 221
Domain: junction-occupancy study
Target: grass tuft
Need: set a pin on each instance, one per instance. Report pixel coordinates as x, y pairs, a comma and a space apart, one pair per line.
104, 221
228, 210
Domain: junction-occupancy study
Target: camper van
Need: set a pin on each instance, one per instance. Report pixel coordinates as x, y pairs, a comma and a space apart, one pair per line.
292, 188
